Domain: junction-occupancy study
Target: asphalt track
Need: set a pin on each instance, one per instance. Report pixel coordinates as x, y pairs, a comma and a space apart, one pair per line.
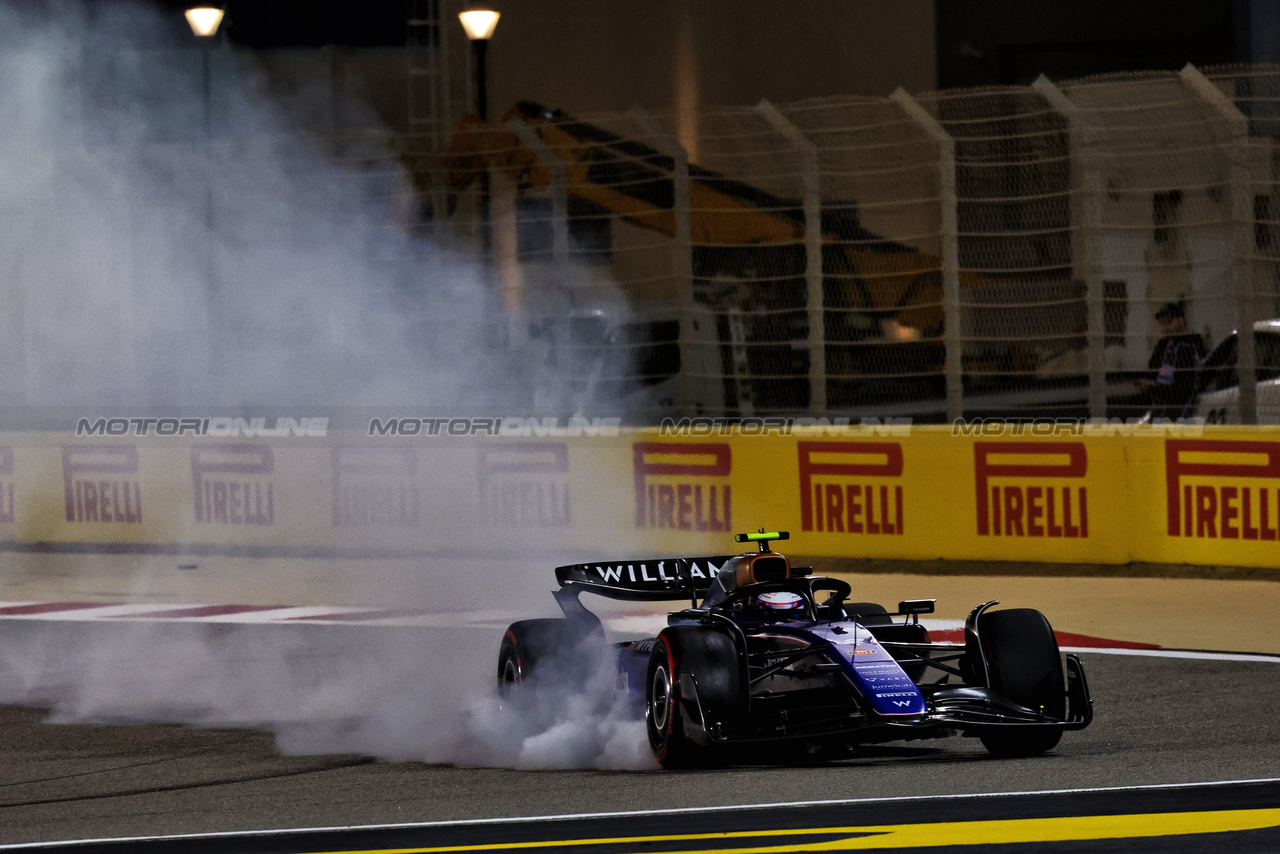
1158, 721
1239, 817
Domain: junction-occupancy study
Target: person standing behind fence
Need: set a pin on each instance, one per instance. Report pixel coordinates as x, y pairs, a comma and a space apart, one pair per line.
1170, 385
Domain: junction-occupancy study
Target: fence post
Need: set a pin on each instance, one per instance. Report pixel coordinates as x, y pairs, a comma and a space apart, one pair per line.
1242, 236
559, 189
683, 212
1086, 220
947, 200
813, 252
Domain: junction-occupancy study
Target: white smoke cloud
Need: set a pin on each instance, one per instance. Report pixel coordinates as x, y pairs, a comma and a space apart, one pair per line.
143, 263
395, 693
156, 262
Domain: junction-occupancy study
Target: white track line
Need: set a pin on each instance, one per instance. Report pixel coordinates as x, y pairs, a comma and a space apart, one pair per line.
636, 813
632, 624
1185, 654
154, 612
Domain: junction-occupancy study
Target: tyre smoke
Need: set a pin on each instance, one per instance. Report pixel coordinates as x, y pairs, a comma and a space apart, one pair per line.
401, 694
164, 249
166, 246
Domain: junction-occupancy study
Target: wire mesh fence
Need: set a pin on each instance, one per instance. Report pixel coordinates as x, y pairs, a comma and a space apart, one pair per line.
1083, 248
1071, 250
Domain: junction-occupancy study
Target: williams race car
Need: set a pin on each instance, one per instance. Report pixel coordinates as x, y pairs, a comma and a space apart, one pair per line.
774, 653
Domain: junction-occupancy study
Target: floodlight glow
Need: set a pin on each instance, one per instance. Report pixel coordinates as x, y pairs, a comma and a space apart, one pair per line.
204, 20
479, 23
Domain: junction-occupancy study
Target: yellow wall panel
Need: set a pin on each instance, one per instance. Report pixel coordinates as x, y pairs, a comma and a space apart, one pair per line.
1066, 496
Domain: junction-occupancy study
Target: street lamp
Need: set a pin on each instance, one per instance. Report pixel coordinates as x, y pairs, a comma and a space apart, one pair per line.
479, 25
204, 21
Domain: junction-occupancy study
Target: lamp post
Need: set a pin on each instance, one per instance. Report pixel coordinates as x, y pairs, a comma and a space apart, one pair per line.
204, 21
479, 25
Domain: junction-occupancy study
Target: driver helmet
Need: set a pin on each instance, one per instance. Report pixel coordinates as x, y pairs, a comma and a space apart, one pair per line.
779, 603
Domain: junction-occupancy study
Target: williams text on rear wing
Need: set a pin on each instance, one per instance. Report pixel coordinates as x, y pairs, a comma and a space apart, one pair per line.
642, 580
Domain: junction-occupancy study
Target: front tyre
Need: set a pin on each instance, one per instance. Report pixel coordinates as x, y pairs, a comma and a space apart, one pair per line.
662, 713
1024, 666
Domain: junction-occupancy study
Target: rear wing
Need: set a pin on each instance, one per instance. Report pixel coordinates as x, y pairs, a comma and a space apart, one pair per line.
643, 580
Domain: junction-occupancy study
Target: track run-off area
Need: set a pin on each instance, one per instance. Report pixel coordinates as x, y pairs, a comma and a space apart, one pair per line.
144, 743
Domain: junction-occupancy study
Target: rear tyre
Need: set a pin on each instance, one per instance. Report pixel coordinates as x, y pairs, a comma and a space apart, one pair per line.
545, 651
1025, 667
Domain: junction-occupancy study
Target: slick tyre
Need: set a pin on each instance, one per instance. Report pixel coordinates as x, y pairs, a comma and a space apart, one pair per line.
678, 652
545, 652
1024, 666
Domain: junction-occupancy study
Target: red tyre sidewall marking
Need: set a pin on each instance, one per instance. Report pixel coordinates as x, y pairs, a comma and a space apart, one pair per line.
671, 696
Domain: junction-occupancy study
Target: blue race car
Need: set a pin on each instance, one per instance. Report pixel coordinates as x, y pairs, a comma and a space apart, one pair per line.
774, 653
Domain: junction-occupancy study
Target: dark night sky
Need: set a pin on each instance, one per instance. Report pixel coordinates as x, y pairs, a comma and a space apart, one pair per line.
979, 42
307, 23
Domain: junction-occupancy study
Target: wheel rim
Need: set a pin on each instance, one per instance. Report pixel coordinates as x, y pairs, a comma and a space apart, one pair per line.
510, 675
659, 697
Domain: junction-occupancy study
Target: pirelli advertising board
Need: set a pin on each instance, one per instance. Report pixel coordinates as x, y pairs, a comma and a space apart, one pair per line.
1209, 496
925, 495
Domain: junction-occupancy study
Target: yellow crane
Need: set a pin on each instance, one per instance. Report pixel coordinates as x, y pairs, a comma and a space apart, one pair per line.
870, 273
867, 278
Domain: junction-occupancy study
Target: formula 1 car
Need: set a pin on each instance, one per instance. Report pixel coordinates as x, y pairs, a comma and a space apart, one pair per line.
774, 653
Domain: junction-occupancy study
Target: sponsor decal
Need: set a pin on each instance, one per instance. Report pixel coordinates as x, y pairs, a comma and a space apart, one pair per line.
100, 484
894, 680
887, 686
224, 427
233, 484
660, 571
1045, 509
6, 484
524, 485
683, 486
1241, 508
831, 501
375, 486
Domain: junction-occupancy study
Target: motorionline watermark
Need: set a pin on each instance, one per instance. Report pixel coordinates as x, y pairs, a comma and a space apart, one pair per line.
512, 427
780, 426
225, 427
896, 427
1185, 427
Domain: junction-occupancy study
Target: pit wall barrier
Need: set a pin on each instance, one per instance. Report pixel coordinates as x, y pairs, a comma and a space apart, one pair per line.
1209, 499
